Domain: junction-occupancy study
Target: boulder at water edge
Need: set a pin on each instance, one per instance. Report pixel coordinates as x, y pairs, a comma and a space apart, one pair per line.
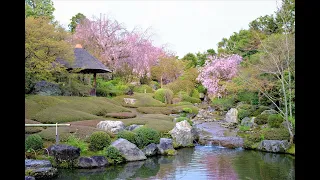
275, 146
92, 162
165, 146
111, 126
39, 169
150, 150
232, 115
129, 150
64, 154
182, 134
29, 178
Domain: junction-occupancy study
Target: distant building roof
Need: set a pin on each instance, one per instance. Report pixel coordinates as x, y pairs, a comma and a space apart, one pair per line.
85, 61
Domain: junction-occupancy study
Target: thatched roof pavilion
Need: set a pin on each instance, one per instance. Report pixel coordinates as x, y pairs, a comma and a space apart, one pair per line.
86, 63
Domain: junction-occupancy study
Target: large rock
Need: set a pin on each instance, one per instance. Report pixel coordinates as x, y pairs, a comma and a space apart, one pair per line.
45, 88
182, 134
133, 127
232, 115
111, 126
92, 162
247, 122
228, 142
64, 155
33, 163
131, 101
150, 150
165, 145
29, 178
129, 150
42, 173
275, 146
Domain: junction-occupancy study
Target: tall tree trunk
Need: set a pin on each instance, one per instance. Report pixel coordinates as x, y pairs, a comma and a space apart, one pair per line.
286, 107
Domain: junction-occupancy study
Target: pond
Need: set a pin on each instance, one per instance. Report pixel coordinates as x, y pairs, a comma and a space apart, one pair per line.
200, 162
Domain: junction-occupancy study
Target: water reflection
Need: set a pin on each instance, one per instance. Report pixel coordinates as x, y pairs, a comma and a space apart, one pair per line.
200, 162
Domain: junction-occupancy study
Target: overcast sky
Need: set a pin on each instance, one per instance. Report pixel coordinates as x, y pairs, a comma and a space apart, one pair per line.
185, 26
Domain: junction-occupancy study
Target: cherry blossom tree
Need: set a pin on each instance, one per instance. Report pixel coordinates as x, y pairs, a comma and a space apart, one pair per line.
117, 47
218, 69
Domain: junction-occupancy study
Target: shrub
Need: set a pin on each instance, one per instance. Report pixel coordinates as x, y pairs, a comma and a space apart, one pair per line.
164, 95
34, 142
224, 103
259, 110
143, 87
275, 120
190, 99
154, 84
98, 140
201, 89
246, 107
121, 89
180, 85
176, 100
114, 155
77, 142
256, 137
195, 94
248, 97
276, 134
261, 119
187, 110
179, 119
243, 113
128, 135
145, 136
75, 88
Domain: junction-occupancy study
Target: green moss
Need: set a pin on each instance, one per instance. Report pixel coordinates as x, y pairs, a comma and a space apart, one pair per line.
175, 145
142, 100
170, 152
259, 110
159, 122
121, 115
164, 95
242, 113
261, 119
143, 88
291, 149
155, 110
223, 103
276, 134
29, 172
52, 109
275, 120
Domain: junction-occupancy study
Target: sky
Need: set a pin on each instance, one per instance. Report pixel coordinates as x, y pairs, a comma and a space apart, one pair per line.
183, 26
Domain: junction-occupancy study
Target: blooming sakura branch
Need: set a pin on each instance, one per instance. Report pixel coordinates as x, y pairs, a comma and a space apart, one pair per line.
218, 69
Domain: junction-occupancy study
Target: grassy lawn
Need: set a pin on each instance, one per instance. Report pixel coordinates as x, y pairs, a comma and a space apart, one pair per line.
143, 100
84, 113
52, 109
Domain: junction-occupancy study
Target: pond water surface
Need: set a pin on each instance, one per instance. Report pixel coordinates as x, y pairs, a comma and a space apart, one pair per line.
198, 163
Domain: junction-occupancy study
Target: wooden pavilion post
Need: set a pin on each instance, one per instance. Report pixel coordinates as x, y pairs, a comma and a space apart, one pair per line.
94, 83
